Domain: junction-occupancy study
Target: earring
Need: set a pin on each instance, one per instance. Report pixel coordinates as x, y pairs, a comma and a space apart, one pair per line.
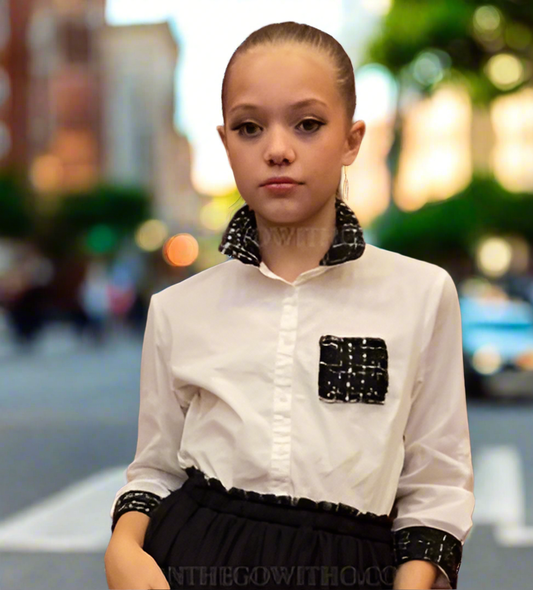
345, 186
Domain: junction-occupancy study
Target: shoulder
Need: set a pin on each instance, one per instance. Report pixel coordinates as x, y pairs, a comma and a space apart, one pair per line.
423, 285
199, 286
406, 268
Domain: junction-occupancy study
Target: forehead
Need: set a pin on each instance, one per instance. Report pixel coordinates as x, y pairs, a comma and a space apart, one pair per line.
275, 75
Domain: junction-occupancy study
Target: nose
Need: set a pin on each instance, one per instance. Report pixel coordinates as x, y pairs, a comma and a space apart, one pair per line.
279, 149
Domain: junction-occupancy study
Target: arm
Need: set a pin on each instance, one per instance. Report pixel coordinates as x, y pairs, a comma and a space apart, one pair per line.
132, 527
415, 575
435, 500
154, 472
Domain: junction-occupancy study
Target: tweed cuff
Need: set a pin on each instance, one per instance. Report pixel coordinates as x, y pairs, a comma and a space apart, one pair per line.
137, 500
430, 544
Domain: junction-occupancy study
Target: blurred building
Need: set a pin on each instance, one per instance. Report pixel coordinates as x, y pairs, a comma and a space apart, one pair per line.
14, 18
50, 90
64, 100
81, 101
142, 144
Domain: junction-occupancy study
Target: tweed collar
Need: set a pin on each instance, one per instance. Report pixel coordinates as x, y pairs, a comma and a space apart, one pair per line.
241, 240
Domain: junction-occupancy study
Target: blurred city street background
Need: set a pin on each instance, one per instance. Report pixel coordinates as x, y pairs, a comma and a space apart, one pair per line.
114, 185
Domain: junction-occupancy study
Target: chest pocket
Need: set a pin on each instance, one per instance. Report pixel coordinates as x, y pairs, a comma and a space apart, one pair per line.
353, 369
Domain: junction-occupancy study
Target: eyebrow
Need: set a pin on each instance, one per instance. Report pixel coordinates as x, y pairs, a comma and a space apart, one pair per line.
293, 107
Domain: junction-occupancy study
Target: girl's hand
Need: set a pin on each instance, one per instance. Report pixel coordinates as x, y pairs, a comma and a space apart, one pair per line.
128, 567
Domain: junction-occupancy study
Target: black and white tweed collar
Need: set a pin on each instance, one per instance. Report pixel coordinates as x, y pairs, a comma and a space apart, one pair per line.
241, 240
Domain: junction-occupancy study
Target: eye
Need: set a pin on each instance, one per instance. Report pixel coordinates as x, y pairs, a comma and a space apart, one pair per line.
310, 125
247, 129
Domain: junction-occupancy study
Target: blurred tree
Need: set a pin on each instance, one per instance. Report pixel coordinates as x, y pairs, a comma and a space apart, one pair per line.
425, 42
96, 221
488, 48
454, 225
15, 206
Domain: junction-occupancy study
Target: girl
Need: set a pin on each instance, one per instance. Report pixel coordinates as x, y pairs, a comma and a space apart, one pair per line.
302, 408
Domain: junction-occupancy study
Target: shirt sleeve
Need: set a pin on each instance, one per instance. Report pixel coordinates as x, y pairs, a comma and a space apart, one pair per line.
155, 471
435, 499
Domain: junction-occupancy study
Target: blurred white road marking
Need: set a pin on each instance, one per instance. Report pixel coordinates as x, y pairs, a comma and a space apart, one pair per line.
499, 488
76, 519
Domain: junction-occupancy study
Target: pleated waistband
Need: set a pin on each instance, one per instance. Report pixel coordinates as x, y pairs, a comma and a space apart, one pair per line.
287, 510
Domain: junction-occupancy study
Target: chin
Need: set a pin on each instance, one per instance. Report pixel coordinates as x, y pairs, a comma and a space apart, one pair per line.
284, 211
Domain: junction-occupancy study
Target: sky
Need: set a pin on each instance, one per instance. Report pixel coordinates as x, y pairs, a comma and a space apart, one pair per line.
208, 31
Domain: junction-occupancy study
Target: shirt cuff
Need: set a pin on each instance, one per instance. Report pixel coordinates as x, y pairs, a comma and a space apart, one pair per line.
430, 544
139, 501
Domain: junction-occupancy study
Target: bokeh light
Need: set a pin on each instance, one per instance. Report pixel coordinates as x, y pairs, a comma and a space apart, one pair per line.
512, 154
494, 256
487, 359
488, 22
505, 71
47, 173
429, 66
181, 250
151, 235
101, 239
436, 159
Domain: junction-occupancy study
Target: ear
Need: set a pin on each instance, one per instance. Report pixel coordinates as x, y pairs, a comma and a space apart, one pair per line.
353, 142
222, 133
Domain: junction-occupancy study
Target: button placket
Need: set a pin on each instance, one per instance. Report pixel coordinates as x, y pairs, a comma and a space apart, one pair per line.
282, 398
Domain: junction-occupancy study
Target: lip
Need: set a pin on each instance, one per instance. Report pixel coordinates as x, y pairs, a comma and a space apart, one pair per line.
281, 188
280, 181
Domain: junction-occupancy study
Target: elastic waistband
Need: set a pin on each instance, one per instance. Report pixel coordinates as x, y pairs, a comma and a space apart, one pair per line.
287, 510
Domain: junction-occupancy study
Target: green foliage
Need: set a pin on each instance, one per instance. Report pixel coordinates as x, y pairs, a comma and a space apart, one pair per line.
122, 207
97, 219
415, 26
515, 10
456, 224
15, 207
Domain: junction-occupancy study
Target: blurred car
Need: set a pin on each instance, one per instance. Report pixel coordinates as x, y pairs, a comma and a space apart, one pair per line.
497, 346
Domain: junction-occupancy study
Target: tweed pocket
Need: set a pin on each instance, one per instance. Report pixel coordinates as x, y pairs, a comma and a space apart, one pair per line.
353, 369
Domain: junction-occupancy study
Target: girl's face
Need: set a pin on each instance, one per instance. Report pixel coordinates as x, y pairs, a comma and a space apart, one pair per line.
285, 117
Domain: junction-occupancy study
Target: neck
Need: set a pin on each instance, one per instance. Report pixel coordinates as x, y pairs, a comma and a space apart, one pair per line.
289, 250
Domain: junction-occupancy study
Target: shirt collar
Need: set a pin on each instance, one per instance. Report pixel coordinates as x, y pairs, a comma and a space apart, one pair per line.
241, 240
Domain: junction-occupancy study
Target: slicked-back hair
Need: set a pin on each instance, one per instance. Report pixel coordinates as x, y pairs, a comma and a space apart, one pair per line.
291, 32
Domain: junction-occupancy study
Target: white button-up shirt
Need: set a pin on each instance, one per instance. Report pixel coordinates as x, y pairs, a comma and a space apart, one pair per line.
346, 385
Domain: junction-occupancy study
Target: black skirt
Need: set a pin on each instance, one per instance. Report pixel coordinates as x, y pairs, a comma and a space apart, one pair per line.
204, 536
